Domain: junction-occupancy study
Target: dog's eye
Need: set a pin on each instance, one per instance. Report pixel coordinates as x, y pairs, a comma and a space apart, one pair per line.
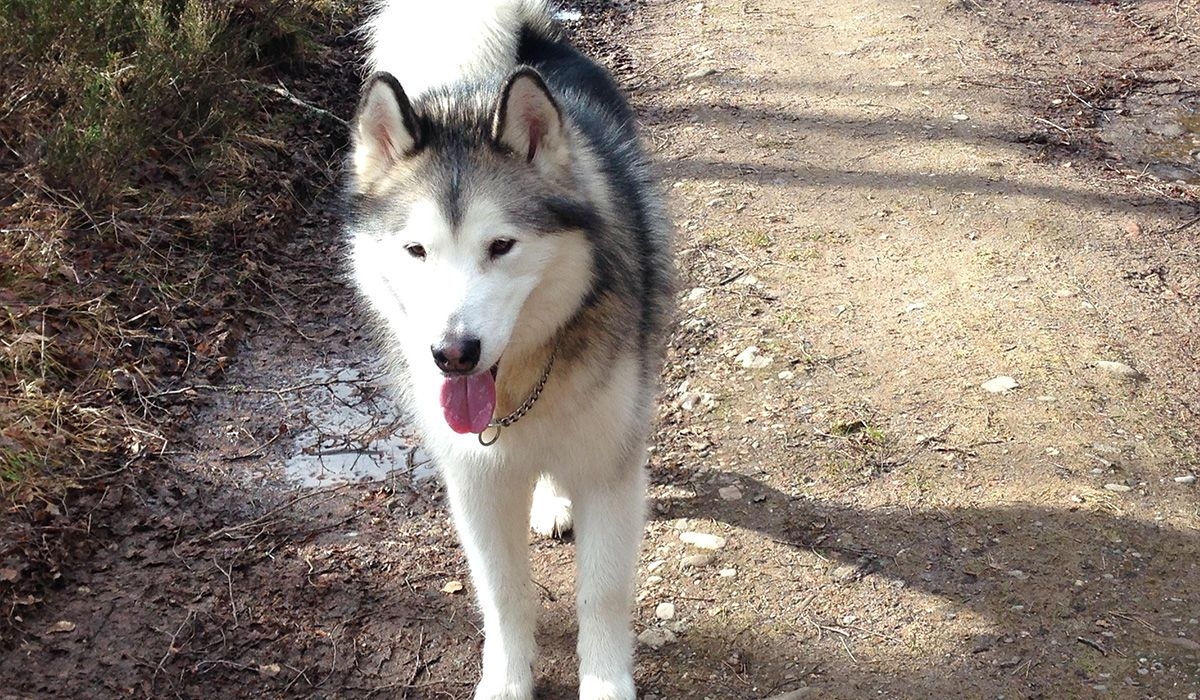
500, 246
416, 250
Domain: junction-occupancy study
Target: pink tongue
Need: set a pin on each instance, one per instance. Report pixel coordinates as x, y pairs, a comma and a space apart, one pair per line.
468, 402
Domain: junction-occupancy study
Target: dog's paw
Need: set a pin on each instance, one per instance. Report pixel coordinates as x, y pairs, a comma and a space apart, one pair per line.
504, 691
596, 688
550, 515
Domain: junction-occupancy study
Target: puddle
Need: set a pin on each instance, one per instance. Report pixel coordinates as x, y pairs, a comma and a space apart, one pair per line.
1179, 146
352, 432
1161, 141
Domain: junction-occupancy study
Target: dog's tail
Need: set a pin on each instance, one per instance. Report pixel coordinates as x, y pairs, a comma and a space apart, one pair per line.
431, 43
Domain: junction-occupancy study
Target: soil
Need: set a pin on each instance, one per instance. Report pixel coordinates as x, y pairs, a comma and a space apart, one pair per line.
887, 202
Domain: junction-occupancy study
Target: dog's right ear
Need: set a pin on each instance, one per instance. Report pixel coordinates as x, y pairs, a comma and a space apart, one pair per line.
386, 129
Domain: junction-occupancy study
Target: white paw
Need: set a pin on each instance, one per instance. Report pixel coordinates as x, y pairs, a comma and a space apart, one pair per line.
595, 688
550, 515
518, 690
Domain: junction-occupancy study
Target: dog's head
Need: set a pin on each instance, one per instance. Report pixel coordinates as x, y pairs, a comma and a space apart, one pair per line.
469, 217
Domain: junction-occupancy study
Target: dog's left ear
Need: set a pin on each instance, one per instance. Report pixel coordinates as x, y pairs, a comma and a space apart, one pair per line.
529, 124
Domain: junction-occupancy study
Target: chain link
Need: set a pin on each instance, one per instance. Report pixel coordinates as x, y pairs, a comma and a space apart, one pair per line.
519, 413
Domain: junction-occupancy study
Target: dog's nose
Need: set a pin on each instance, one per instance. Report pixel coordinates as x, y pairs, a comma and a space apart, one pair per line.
457, 355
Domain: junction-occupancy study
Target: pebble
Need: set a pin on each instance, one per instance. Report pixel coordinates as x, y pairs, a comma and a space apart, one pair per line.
1119, 369
751, 359
1186, 479
653, 580
696, 293
656, 638
787, 374
844, 572
1000, 385
1184, 643
1119, 488
702, 540
730, 493
728, 573
700, 73
960, 117
665, 611
696, 561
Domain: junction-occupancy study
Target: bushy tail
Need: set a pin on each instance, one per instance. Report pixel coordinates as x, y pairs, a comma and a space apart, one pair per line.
431, 43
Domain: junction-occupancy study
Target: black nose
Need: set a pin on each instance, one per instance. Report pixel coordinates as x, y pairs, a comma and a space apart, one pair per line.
456, 356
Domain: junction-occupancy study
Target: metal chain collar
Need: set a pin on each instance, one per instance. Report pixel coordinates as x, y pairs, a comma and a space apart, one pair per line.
497, 424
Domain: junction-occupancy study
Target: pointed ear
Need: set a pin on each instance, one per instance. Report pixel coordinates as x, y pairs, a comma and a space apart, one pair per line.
385, 128
528, 122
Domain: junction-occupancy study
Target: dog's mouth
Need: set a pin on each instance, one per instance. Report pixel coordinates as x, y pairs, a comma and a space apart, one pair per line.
468, 402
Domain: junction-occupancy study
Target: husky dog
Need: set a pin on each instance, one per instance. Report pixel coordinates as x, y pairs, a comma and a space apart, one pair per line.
509, 235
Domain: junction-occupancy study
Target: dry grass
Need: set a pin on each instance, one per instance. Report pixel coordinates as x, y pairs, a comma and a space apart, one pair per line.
140, 198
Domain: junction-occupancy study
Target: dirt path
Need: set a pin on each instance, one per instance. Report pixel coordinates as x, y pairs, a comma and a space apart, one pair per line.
855, 205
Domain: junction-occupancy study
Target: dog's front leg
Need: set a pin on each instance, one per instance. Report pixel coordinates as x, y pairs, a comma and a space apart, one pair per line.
609, 520
491, 514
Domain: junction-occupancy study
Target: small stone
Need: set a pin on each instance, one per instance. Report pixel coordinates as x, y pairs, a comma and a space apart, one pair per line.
728, 573
787, 374
654, 580
452, 587
1133, 229
915, 306
61, 626
1065, 293
730, 493
702, 540
665, 611
696, 561
270, 670
898, 83
1184, 643
1118, 488
697, 293
700, 73
656, 638
751, 359
1186, 479
652, 566
1120, 370
845, 572
1018, 574
960, 117
1016, 279
1000, 385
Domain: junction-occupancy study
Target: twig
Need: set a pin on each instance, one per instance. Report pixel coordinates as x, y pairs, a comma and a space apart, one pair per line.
171, 645
229, 583
283, 92
266, 517
1093, 644
1047, 122
1185, 226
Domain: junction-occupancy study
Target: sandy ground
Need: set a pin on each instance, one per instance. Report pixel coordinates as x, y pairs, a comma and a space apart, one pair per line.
883, 200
